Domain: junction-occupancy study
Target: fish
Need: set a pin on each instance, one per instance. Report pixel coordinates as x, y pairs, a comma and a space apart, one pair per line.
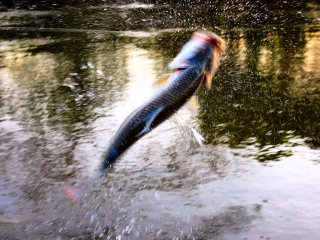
193, 67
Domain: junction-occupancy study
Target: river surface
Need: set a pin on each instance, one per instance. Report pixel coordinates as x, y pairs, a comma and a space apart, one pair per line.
70, 76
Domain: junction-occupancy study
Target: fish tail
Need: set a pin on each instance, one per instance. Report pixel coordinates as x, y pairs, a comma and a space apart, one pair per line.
218, 50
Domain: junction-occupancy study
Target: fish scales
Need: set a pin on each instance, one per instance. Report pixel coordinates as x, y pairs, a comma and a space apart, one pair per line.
131, 128
194, 66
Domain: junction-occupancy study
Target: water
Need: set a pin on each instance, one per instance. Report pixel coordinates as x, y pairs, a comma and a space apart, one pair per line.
70, 76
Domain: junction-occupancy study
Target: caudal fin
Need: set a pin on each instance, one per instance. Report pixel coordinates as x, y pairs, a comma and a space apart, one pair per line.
217, 53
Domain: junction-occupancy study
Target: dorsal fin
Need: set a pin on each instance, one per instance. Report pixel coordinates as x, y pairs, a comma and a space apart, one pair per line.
162, 81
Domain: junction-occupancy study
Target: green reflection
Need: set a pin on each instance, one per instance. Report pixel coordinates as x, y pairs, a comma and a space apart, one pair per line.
252, 98
191, 15
65, 82
267, 88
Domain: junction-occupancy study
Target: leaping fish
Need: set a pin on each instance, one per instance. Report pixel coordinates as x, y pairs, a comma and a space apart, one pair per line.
194, 66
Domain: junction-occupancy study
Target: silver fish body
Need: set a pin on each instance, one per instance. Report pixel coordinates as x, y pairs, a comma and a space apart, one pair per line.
180, 88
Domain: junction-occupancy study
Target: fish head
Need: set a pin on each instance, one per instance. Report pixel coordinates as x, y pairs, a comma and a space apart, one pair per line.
205, 49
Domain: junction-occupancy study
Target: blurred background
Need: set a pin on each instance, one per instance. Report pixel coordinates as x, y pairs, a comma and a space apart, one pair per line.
71, 71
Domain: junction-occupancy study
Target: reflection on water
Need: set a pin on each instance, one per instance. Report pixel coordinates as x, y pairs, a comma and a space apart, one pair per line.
257, 94
68, 81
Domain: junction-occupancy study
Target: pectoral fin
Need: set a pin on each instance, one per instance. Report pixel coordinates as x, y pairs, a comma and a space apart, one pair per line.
197, 136
149, 120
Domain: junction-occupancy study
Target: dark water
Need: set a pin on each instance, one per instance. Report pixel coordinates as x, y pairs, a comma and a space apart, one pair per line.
69, 77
